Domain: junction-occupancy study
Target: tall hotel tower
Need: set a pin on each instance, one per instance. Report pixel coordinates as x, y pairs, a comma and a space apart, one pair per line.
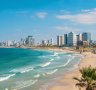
60, 40
72, 39
65, 39
86, 36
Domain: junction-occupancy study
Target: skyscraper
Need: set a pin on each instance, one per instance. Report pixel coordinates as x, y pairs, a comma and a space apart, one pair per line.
44, 42
60, 40
30, 41
86, 36
79, 37
51, 41
8, 43
65, 39
23, 41
72, 39
79, 40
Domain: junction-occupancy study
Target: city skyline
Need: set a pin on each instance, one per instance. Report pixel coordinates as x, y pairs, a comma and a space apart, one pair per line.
68, 39
46, 18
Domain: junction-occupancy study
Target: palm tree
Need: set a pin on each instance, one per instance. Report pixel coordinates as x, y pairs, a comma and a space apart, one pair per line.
88, 79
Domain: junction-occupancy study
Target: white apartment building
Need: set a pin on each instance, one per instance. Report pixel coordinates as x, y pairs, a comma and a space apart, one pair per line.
72, 39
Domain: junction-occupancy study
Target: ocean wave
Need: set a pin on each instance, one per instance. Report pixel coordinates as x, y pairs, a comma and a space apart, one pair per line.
45, 56
55, 54
37, 76
23, 84
51, 72
6, 77
69, 55
52, 59
6, 89
22, 70
69, 60
46, 64
44, 74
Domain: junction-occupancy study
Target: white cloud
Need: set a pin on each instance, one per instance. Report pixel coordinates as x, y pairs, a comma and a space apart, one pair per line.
41, 15
87, 10
67, 28
84, 17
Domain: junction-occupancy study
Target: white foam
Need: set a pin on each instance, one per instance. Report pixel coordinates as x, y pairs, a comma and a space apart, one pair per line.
6, 78
23, 84
6, 88
51, 72
52, 59
44, 74
37, 76
65, 63
46, 64
42, 56
69, 55
46, 56
55, 54
22, 70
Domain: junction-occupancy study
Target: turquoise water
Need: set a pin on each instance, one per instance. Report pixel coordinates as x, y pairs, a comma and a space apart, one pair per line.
26, 69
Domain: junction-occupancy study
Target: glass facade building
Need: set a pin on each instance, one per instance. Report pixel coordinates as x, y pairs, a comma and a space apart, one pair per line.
86, 36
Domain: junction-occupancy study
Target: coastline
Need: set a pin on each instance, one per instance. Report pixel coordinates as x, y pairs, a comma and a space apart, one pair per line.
28, 68
60, 79
57, 49
67, 82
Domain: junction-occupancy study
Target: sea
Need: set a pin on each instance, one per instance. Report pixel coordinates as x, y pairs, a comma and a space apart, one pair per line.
33, 69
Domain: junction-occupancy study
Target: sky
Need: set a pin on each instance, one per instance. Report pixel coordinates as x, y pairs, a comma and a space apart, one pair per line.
45, 19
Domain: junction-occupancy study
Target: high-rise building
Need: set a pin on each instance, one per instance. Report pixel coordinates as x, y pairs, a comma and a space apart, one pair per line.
79, 37
65, 39
79, 40
30, 41
8, 43
47, 42
51, 41
44, 42
86, 36
23, 41
72, 39
60, 40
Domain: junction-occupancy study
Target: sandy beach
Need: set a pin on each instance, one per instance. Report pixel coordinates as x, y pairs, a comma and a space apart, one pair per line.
67, 82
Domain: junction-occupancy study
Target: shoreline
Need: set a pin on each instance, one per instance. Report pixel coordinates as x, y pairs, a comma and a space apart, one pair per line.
60, 77
57, 49
66, 82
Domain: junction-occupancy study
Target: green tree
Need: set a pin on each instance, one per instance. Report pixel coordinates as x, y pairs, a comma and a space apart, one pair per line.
88, 79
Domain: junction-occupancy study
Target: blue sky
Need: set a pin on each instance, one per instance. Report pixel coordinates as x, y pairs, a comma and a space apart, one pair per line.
45, 19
